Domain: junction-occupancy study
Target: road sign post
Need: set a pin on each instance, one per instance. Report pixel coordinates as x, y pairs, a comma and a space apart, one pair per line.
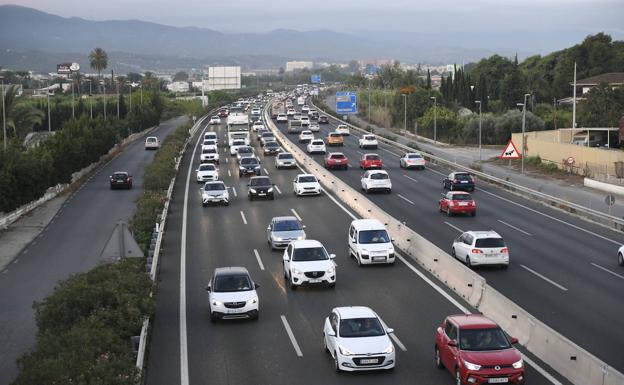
346, 102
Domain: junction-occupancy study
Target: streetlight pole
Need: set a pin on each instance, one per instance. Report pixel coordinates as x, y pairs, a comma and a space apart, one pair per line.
369, 101
3, 115
49, 116
435, 119
523, 130
104, 85
72, 86
90, 99
479, 102
404, 112
117, 83
130, 97
141, 86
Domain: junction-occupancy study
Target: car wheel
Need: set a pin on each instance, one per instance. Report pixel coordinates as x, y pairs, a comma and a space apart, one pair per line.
620, 259
366, 190
358, 260
473, 213
458, 380
227, 203
440, 208
292, 285
400, 164
448, 212
332, 285
468, 262
256, 316
438, 361
217, 162
505, 267
453, 253
250, 198
388, 191
325, 349
272, 197
240, 174
336, 364
213, 318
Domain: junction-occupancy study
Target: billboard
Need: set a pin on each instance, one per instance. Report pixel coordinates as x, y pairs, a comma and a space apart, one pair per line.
315, 79
223, 78
346, 102
67, 68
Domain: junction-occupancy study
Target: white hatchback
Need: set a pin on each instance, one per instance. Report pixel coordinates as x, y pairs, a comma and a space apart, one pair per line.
316, 146
358, 339
314, 127
376, 180
342, 129
481, 248
368, 141
207, 172
282, 118
257, 125
306, 184
307, 262
306, 136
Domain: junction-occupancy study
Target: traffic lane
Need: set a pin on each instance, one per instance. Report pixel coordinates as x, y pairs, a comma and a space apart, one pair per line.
71, 243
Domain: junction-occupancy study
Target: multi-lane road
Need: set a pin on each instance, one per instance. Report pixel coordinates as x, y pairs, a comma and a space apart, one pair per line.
563, 269
71, 243
285, 344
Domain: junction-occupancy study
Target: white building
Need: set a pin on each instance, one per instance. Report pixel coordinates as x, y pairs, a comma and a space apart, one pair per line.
178, 87
223, 78
298, 65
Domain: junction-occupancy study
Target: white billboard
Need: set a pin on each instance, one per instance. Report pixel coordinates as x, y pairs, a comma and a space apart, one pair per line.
223, 78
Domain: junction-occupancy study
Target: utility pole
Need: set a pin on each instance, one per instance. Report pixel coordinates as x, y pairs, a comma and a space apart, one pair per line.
90, 99
369, 101
479, 103
130, 86
404, 112
435, 119
523, 130
117, 83
49, 118
141, 86
574, 101
3, 115
72, 87
104, 99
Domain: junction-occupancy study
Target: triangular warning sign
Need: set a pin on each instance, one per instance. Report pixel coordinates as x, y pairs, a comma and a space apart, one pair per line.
510, 152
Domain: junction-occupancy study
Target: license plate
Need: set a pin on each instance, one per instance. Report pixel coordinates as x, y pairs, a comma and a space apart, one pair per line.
261, 194
463, 181
379, 258
234, 311
369, 361
498, 380
315, 280
463, 203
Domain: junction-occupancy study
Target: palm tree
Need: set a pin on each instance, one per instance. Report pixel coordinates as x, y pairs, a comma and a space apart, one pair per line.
98, 59
20, 116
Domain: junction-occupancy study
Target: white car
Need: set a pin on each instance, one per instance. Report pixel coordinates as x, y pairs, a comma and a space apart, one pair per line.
342, 129
316, 146
214, 192
368, 141
481, 248
282, 118
236, 144
210, 135
307, 262
305, 121
358, 339
621, 256
215, 119
297, 116
314, 127
207, 172
306, 136
285, 160
257, 125
232, 294
369, 242
210, 142
209, 154
290, 112
412, 160
306, 184
376, 180
305, 109
151, 143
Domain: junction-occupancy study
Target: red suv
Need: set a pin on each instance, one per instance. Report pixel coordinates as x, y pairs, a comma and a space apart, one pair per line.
223, 113
458, 202
477, 351
369, 161
336, 160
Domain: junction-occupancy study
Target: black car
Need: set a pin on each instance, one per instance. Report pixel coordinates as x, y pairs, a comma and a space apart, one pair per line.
260, 187
121, 179
271, 148
323, 119
249, 165
459, 181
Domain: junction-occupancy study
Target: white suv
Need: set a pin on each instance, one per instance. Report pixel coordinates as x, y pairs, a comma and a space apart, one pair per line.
481, 248
369, 242
368, 141
257, 125
209, 154
307, 262
376, 180
207, 172
305, 121
282, 118
306, 184
306, 136
232, 294
316, 146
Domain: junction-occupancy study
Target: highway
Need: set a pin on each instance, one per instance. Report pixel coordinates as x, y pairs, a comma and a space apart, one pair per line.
70, 244
563, 270
186, 348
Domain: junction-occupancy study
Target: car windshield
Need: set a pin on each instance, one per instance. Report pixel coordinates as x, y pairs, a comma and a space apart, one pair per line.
245, 150
369, 137
490, 242
208, 151
379, 176
372, 157
361, 327
214, 187
151, 139
414, 156
271, 144
287, 225
461, 197
260, 182
310, 254
303, 133
206, 167
285, 156
373, 236
249, 161
307, 179
462, 176
267, 135
238, 143
227, 283
483, 339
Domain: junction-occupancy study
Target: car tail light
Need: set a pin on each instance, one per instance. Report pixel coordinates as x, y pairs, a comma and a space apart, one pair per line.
476, 251
504, 250
472, 179
455, 181
451, 203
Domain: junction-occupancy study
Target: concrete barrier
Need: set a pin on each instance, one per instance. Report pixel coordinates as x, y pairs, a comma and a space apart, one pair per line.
567, 358
606, 187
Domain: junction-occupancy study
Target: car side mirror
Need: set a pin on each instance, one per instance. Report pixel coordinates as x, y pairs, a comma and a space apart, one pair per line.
332, 256
110, 176
443, 195
256, 286
389, 330
303, 226
514, 340
208, 288
268, 227
331, 333
391, 239
452, 343
248, 184
286, 258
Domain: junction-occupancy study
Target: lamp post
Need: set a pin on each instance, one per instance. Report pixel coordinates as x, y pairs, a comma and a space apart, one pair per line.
90, 98
3, 115
141, 87
523, 130
117, 83
104, 87
479, 103
369, 101
72, 87
404, 112
49, 116
435, 118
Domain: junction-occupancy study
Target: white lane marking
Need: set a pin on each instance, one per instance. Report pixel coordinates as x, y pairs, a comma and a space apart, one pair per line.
229, 173
390, 152
227, 160
360, 152
349, 164
234, 191
607, 270
438, 172
258, 259
453, 226
291, 336
5, 271
410, 178
243, 216
295, 214
553, 218
184, 371
515, 228
540, 370
544, 278
278, 190
265, 171
405, 199
398, 342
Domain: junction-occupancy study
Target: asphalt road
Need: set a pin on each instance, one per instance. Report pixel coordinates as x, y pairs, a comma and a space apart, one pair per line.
70, 244
563, 270
186, 348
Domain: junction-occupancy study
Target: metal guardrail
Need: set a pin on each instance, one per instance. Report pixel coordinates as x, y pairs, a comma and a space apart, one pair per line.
594, 216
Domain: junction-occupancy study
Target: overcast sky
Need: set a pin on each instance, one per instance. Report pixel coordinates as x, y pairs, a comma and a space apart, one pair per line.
351, 15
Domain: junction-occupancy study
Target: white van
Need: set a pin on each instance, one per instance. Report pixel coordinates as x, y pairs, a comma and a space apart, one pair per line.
151, 143
369, 242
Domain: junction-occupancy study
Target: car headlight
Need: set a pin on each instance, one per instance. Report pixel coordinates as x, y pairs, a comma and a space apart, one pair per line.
217, 303
252, 301
389, 349
301, 238
331, 270
279, 239
270, 190
345, 352
296, 271
471, 366
253, 191
518, 364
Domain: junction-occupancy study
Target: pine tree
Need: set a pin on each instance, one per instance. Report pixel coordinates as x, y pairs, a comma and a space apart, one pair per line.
428, 79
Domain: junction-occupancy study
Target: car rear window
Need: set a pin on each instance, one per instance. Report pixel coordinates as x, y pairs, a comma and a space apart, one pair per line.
379, 176
461, 197
414, 156
287, 225
490, 242
335, 135
463, 177
120, 176
372, 157
338, 156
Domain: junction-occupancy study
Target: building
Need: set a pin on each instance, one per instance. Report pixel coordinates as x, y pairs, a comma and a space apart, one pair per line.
298, 65
223, 78
178, 87
614, 79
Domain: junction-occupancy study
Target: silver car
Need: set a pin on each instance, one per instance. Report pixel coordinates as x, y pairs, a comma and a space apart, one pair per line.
283, 230
285, 159
214, 192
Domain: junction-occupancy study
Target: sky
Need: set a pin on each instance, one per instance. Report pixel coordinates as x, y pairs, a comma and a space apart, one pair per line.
588, 16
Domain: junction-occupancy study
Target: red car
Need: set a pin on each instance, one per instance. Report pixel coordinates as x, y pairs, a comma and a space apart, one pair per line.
223, 113
369, 161
336, 160
458, 202
477, 351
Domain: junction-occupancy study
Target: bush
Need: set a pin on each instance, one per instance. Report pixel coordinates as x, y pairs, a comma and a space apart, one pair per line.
413, 145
